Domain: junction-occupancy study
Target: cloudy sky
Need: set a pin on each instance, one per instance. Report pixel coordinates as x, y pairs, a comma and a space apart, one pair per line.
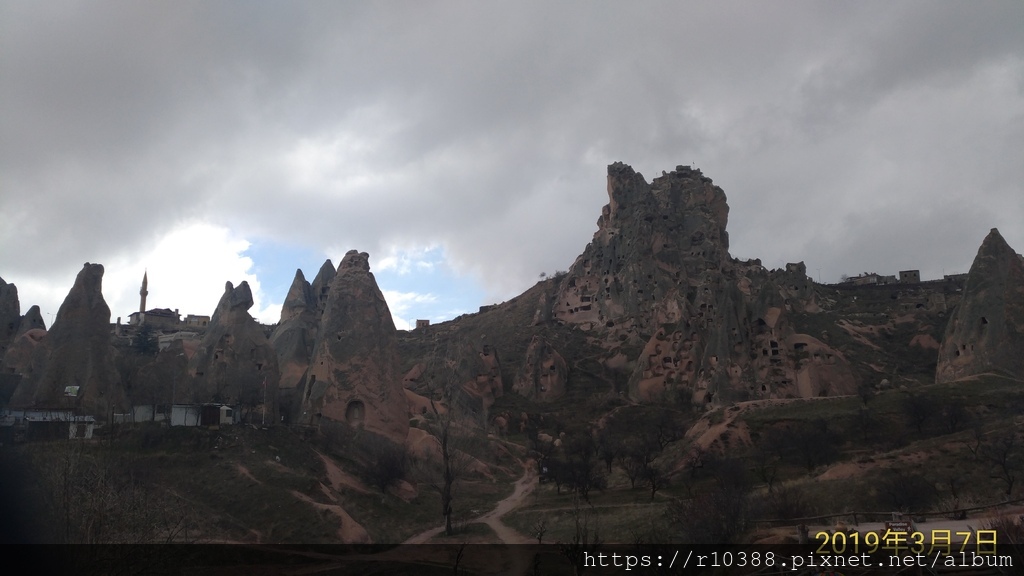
464, 145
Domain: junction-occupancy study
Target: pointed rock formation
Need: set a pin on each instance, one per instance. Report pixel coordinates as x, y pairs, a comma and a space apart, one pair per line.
321, 286
77, 351
353, 378
10, 314
26, 355
986, 333
235, 363
544, 374
293, 340
17, 360
32, 320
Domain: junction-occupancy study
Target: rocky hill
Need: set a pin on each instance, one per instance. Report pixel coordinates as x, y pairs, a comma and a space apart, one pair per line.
987, 331
655, 350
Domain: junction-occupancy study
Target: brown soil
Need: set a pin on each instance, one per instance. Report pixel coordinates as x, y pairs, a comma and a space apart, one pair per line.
506, 535
339, 478
245, 472
350, 531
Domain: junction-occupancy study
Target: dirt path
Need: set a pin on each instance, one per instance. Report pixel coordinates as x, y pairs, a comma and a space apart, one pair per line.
524, 486
506, 535
350, 532
339, 478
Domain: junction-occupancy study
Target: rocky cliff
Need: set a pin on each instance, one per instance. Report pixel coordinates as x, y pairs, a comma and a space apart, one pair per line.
658, 275
76, 352
353, 377
294, 337
986, 334
235, 363
10, 314
544, 375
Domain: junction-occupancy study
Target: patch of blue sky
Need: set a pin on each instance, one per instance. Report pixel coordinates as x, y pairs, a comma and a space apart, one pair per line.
420, 284
417, 283
274, 263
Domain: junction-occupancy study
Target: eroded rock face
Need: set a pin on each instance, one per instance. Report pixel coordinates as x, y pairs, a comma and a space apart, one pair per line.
164, 379
654, 242
713, 329
986, 333
544, 374
32, 320
235, 363
353, 377
293, 340
486, 383
321, 286
10, 314
77, 351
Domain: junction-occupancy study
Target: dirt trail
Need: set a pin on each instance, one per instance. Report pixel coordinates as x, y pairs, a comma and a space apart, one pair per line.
339, 478
506, 535
350, 532
245, 472
524, 486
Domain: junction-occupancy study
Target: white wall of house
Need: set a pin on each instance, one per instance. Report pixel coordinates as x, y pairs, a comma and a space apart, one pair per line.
185, 415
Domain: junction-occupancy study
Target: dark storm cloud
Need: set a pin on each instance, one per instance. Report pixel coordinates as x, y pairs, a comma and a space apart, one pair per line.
487, 127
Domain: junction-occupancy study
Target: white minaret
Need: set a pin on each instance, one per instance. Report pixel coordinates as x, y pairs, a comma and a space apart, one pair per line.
143, 292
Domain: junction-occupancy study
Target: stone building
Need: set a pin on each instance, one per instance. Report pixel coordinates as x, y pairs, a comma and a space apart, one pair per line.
910, 276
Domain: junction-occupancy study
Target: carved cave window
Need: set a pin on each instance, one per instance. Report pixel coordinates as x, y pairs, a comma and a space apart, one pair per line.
355, 412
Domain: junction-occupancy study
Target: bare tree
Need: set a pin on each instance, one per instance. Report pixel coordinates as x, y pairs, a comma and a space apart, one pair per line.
539, 528
389, 462
954, 415
445, 394
866, 392
656, 478
695, 461
632, 466
1004, 455
766, 464
89, 500
977, 440
585, 539
608, 448
665, 430
584, 469
814, 443
919, 409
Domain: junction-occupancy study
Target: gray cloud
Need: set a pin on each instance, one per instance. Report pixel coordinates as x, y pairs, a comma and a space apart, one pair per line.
852, 136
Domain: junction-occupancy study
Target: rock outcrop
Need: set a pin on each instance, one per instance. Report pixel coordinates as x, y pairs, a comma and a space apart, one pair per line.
353, 378
32, 320
10, 314
658, 274
294, 337
986, 333
654, 242
76, 352
163, 380
544, 374
235, 363
321, 286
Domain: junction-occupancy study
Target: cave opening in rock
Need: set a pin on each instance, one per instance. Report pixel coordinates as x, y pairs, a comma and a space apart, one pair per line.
355, 412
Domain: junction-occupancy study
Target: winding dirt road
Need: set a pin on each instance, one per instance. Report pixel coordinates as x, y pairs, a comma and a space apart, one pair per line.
506, 535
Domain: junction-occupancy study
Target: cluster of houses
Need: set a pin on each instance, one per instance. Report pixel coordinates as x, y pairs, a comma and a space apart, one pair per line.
905, 277
31, 424
168, 326
871, 278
